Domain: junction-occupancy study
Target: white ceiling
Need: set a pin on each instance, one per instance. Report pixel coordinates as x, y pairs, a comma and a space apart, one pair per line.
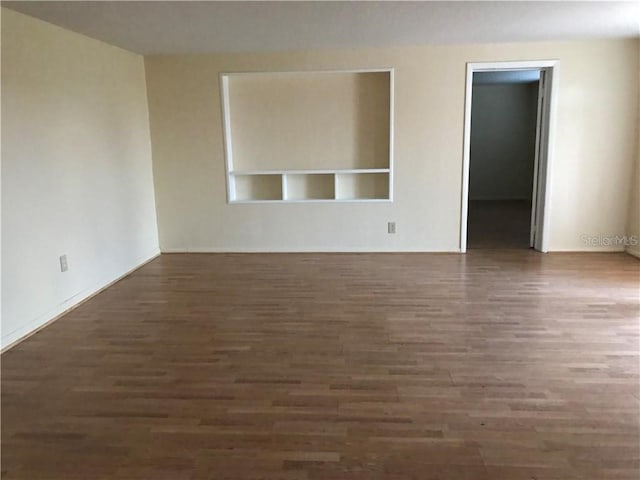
150, 27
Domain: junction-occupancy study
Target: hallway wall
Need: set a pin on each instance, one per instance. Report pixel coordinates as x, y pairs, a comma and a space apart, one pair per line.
503, 133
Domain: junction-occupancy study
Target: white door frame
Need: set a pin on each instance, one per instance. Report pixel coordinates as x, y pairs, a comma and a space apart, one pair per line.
547, 124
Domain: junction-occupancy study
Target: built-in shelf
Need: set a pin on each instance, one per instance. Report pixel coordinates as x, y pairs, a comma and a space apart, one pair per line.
309, 172
257, 187
308, 136
368, 186
303, 186
300, 185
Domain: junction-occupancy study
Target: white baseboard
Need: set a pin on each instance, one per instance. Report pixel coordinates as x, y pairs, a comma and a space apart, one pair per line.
15, 337
298, 250
367, 250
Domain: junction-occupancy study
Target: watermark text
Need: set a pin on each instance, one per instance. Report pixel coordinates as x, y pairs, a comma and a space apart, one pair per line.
601, 240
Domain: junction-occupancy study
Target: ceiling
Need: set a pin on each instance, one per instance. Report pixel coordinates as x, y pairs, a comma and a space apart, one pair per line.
150, 27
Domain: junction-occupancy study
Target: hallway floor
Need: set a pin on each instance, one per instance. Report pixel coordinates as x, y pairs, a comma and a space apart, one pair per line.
498, 224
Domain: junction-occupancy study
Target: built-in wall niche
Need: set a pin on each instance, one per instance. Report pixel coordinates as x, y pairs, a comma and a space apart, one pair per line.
257, 187
308, 136
370, 186
304, 186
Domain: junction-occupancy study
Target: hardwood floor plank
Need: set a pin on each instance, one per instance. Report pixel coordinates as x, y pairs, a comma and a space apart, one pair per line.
491, 365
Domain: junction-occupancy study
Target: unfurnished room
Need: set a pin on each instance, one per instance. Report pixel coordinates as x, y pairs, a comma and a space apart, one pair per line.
320, 240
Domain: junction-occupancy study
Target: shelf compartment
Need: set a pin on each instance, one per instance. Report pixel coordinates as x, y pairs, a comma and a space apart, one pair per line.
362, 186
308, 187
256, 187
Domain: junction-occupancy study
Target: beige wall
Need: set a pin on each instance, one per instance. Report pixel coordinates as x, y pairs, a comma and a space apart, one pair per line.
595, 145
310, 121
76, 170
633, 226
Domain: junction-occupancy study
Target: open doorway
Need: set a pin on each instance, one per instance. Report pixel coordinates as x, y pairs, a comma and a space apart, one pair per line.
504, 113
508, 128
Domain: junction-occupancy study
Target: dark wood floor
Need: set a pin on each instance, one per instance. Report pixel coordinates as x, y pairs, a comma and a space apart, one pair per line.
493, 365
498, 224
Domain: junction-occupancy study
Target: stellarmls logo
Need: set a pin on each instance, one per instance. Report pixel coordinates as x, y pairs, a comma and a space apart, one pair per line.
610, 240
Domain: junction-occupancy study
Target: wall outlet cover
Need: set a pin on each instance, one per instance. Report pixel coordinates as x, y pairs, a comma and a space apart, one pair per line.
64, 266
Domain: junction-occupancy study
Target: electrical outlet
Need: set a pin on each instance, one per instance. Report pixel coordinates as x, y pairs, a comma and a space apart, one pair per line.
391, 227
64, 266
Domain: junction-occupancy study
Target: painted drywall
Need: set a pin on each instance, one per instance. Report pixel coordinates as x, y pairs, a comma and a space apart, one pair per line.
593, 151
76, 170
633, 221
503, 134
276, 120
632, 239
